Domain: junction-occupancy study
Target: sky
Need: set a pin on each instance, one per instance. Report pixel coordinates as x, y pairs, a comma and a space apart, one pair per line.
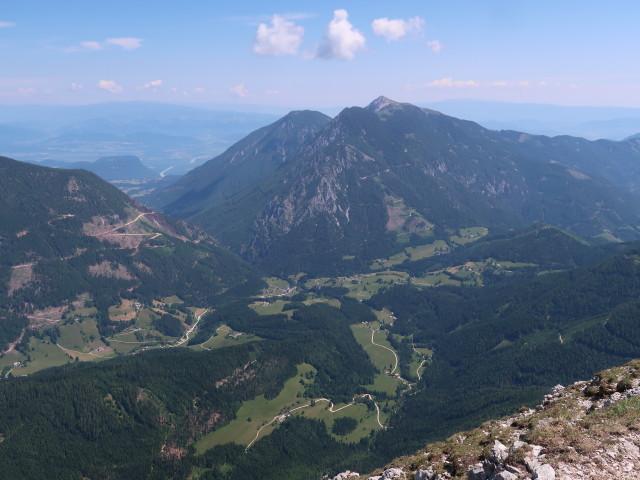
319, 54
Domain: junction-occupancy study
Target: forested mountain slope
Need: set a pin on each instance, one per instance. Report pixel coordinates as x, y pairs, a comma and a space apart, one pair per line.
246, 162
67, 232
378, 177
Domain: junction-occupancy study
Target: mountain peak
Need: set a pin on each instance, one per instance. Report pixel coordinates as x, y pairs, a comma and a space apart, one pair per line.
381, 102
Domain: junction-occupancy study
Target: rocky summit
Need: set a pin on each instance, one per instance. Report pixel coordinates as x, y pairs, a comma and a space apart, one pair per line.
587, 430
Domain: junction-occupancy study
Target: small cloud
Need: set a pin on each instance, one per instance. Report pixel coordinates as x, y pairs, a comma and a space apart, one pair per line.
273, 92
127, 43
394, 30
524, 84
341, 39
7, 24
91, 46
450, 82
152, 85
27, 92
173, 90
283, 37
239, 90
542, 84
498, 84
76, 86
198, 90
435, 45
573, 85
110, 86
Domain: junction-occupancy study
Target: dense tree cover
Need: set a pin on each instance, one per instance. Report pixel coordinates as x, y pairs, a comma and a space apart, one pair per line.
11, 324
110, 420
344, 425
318, 335
169, 325
299, 448
497, 348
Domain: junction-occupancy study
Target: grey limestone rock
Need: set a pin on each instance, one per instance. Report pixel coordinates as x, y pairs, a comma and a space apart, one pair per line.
504, 475
393, 474
425, 474
544, 472
499, 453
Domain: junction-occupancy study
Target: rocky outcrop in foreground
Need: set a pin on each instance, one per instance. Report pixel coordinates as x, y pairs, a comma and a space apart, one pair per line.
588, 430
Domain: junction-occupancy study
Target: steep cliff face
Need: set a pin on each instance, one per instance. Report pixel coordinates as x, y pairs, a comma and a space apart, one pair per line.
586, 430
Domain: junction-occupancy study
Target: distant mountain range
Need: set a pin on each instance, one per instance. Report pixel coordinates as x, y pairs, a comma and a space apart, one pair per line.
166, 137
378, 178
614, 123
125, 167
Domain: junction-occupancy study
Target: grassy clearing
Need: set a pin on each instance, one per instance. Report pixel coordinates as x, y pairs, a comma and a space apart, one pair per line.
468, 235
223, 339
266, 308
366, 419
44, 354
126, 311
424, 251
172, 299
384, 316
83, 337
255, 413
435, 279
380, 357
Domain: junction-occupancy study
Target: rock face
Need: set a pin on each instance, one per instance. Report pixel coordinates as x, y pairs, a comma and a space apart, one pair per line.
588, 430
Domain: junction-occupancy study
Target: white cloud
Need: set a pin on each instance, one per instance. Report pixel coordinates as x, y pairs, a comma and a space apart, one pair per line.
110, 86
524, 84
239, 90
198, 90
273, 92
498, 84
76, 86
341, 40
127, 43
394, 30
542, 84
283, 37
91, 46
434, 45
153, 84
450, 82
7, 24
27, 92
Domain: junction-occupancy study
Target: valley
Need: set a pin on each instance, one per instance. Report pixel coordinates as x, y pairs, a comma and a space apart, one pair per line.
338, 292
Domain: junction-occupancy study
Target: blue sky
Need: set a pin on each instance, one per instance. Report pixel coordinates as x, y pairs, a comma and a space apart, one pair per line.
319, 55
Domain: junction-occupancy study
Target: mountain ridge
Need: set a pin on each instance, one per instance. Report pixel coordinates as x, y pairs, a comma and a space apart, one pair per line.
344, 186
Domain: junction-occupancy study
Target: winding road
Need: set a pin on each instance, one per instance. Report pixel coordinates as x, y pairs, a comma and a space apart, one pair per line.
282, 416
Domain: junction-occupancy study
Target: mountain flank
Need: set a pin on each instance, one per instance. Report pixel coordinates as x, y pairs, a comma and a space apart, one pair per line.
373, 180
586, 430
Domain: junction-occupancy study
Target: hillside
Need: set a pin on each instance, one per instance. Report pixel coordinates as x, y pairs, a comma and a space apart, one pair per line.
585, 430
376, 179
248, 161
69, 239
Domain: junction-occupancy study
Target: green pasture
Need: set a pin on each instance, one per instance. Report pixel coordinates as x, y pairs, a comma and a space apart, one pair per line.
255, 413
